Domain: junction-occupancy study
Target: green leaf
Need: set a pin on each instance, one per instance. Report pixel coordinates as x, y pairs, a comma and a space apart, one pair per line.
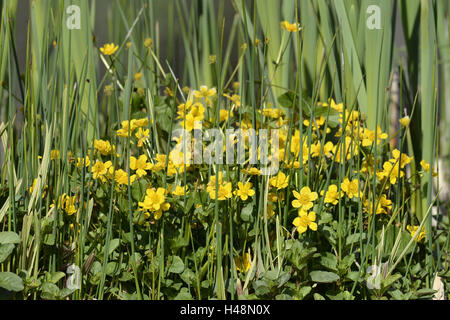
386, 283
54, 277
11, 281
286, 100
184, 294
246, 212
329, 261
324, 276
112, 268
50, 291
303, 292
113, 245
7, 237
5, 251
318, 297
176, 265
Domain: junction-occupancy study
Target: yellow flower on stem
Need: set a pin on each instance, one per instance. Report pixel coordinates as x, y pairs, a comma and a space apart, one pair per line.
350, 187
244, 191
280, 181
100, 169
140, 165
104, 147
223, 193
404, 121
290, 27
404, 158
205, 93
304, 221
413, 229
190, 123
142, 136
243, 264
83, 162
109, 49
305, 199
332, 196
180, 191
155, 202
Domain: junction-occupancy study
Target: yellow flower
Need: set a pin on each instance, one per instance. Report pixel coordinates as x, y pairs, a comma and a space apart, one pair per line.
140, 165
180, 191
83, 161
121, 177
190, 124
243, 264
316, 149
234, 98
291, 27
66, 203
390, 171
100, 169
142, 136
154, 201
130, 126
54, 154
426, 168
280, 181
273, 113
148, 42
197, 111
109, 49
425, 165
404, 158
223, 193
413, 229
382, 204
31, 189
252, 171
328, 149
223, 115
104, 147
404, 121
332, 195
305, 220
204, 92
138, 76
304, 200
368, 136
350, 187
351, 149
244, 191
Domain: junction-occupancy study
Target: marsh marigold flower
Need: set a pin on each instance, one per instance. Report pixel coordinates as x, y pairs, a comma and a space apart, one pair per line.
100, 169
304, 221
180, 191
305, 199
155, 202
140, 165
104, 147
83, 162
291, 27
413, 229
142, 136
404, 122
109, 49
332, 195
350, 187
243, 264
244, 190
280, 181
